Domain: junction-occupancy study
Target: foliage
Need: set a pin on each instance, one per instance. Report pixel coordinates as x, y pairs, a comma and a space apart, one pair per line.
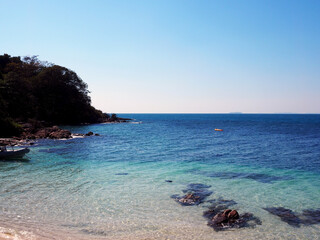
32, 89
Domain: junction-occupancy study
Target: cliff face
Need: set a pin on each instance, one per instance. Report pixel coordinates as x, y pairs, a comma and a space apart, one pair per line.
41, 91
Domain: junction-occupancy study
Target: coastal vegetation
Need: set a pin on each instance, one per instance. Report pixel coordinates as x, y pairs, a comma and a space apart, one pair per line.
41, 93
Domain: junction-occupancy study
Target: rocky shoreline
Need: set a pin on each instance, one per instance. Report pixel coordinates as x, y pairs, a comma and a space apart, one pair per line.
33, 130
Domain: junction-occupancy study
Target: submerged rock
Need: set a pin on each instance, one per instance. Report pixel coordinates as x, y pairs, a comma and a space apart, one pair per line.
286, 215
196, 193
231, 219
307, 217
221, 217
217, 205
310, 216
259, 177
197, 186
122, 174
169, 181
89, 133
190, 199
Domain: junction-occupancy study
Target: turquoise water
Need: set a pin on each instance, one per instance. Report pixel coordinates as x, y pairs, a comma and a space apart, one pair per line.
113, 186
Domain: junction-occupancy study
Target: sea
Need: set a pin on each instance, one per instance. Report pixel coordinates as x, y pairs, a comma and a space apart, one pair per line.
124, 183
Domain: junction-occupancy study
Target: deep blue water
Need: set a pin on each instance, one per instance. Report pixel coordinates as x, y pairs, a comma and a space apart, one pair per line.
258, 160
288, 141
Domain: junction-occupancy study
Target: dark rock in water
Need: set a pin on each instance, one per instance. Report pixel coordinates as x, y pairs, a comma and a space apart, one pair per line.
307, 217
247, 220
231, 219
122, 174
233, 215
97, 134
221, 217
189, 199
196, 193
89, 134
310, 216
264, 178
198, 189
197, 186
286, 215
170, 181
217, 205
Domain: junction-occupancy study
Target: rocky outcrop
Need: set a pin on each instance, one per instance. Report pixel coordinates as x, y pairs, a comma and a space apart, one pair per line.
39, 130
47, 132
113, 118
60, 134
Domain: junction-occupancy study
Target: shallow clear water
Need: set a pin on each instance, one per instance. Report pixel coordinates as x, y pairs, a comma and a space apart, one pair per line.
113, 186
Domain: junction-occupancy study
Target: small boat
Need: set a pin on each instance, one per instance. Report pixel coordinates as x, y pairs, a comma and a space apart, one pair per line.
17, 153
219, 130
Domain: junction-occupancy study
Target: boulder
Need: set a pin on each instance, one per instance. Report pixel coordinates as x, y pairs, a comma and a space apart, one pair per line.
220, 218
43, 133
233, 215
60, 134
89, 133
231, 219
55, 128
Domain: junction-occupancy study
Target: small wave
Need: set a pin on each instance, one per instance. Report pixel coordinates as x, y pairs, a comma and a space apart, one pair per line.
77, 136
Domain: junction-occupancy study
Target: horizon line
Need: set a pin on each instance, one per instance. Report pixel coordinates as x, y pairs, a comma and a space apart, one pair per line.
235, 113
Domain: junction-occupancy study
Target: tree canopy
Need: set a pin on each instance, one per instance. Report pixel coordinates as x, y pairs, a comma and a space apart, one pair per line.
33, 89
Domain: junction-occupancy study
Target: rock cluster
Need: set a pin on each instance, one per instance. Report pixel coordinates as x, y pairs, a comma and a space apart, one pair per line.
232, 219
219, 215
47, 132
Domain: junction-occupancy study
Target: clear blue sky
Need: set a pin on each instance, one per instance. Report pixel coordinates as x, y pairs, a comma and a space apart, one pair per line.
177, 56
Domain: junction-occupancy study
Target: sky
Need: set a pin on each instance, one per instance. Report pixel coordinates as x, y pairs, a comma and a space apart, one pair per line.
177, 56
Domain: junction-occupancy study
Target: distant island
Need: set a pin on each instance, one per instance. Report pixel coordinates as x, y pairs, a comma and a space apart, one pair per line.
37, 95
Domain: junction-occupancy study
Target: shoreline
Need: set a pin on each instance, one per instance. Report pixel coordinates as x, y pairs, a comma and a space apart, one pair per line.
42, 130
